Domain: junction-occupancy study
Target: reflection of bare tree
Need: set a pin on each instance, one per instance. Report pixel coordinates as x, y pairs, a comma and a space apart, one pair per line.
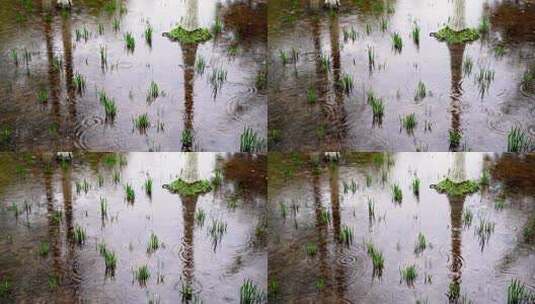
339, 274
321, 229
67, 55
188, 218
189, 54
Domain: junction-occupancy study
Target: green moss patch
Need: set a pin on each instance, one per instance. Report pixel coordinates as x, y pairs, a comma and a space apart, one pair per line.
189, 37
456, 189
451, 36
189, 189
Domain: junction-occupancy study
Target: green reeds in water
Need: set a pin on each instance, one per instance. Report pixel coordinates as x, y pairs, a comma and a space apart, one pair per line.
142, 275
346, 83
103, 207
468, 64
377, 258
409, 274
484, 230
116, 24
142, 122
217, 229
371, 208
468, 216
154, 243
147, 185
200, 216
352, 186
397, 42
44, 248
200, 65
455, 137
217, 79
378, 107
415, 34
517, 293
130, 41
79, 83
250, 293
325, 217
217, 27
421, 244
153, 91
79, 235
371, 57
420, 91
130, 194
311, 249
519, 141
484, 79
325, 61
312, 96
484, 180
42, 95
384, 24
349, 34
15, 57
284, 57
116, 177
397, 194
110, 108
103, 56
346, 235
415, 185
409, 122
148, 34
250, 141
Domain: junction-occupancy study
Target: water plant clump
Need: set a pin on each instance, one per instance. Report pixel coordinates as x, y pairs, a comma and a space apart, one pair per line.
409, 122
454, 137
142, 275
154, 243
250, 293
325, 61
397, 42
110, 108
519, 141
200, 216
130, 194
456, 188
42, 95
142, 122
346, 235
153, 91
189, 189
451, 36
397, 194
195, 36
79, 83
409, 274
517, 293
421, 244
130, 41
378, 107
420, 92
44, 248
311, 249
103, 207
415, 185
217, 229
148, 34
250, 141
147, 185
79, 235
346, 83
377, 258
200, 65
415, 34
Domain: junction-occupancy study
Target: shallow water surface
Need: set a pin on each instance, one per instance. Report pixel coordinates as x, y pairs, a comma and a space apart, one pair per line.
479, 90
312, 203
42, 108
34, 189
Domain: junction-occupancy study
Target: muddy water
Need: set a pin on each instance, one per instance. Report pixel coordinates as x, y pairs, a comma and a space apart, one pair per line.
69, 120
455, 100
187, 254
455, 253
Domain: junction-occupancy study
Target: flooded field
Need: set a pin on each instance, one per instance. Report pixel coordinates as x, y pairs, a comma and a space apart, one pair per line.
373, 75
102, 76
95, 230
371, 228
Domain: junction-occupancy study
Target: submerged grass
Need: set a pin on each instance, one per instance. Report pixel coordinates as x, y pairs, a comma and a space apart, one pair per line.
397, 42
250, 141
420, 91
519, 141
346, 83
189, 189
421, 244
377, 258
153, 244
250, 293
130, 193
415, 185
130, 41
142, 122
409, 122
415, 34
110, 108
79, 235
147, 185
346, 235
409, 274
397, 194
142, 275
517, 293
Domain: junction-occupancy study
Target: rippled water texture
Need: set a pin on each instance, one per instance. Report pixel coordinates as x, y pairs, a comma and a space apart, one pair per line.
311, 207
480, 89
34, 188
62, 44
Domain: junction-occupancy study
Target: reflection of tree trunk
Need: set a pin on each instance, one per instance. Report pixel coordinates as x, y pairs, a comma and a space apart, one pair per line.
321, 230
67, 55
53, 227
188, 215
456, 213
66, 184
53, 72
189, 54
337, 112
456, 66
339, 274
457, 22
190, 21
